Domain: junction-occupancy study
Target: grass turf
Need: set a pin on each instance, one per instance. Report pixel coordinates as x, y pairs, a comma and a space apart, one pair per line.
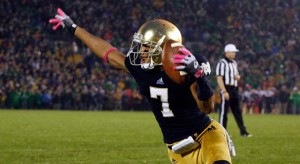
36, 136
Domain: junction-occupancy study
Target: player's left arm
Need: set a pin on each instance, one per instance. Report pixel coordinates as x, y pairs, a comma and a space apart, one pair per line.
206, 106
200, 69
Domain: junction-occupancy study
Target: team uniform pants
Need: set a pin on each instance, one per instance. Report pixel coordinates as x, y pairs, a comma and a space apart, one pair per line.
234, 104
213, 147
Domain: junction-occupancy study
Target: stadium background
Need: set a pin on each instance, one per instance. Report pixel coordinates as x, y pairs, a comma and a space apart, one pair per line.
45, 69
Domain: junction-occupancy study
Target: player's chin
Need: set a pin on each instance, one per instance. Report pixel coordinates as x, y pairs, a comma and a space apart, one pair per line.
144, 61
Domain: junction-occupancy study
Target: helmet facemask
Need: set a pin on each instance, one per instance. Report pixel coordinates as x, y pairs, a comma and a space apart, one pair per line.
146, 54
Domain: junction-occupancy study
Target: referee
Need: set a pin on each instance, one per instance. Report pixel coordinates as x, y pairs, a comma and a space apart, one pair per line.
227, 79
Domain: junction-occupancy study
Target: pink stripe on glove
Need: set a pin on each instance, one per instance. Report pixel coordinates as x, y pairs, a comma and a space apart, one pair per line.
184, 51
177, 58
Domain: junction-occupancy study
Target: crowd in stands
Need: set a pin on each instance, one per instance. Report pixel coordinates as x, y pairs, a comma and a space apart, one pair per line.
45, 69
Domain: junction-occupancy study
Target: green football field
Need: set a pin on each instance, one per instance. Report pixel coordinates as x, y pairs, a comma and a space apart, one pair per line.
83, 137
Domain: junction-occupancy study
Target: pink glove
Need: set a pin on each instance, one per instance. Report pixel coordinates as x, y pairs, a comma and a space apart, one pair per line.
62, 19
188, 63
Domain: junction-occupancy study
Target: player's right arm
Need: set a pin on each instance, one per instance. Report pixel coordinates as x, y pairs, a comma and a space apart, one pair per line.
99, 46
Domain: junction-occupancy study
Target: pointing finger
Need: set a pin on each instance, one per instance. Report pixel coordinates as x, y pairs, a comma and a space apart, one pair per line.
176, 56
56, 26
60, 12
54, 20
184, 51
176, 61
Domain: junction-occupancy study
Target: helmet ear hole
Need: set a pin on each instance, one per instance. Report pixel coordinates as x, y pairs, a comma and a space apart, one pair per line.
157, 59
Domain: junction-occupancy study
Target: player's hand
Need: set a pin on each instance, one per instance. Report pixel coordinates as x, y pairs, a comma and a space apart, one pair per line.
188, 63
62, 19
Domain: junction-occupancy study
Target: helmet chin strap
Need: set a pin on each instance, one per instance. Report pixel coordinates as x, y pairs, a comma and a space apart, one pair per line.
148, 66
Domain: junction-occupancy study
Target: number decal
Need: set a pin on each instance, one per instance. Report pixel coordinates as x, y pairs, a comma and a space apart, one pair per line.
163, 94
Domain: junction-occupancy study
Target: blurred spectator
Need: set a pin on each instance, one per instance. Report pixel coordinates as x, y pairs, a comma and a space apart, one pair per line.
128, 99
67, 98
118, 99
46, 99
137, 100
283, 97
269, 97
295, 98
248, 100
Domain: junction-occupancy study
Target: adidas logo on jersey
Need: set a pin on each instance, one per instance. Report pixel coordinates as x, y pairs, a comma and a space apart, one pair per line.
160, 81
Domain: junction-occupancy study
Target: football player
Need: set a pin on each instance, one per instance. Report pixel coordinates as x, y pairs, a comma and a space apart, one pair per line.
180, 109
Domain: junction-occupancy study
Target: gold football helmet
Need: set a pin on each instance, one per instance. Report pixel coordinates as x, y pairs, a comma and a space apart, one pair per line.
147, 45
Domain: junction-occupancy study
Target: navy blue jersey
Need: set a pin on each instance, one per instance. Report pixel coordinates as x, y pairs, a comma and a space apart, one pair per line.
173, 104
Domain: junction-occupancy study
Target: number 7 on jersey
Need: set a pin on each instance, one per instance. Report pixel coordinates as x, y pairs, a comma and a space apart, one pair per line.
162, 93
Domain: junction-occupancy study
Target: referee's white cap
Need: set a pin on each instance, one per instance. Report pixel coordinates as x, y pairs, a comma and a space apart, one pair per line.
230, 48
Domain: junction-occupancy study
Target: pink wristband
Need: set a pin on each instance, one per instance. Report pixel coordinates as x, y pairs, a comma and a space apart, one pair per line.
198, 73
107, 53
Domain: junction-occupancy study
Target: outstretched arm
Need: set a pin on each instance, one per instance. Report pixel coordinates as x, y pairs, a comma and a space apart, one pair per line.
100, 47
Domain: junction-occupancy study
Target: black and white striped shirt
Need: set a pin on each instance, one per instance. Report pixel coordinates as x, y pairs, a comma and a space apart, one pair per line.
228, 70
